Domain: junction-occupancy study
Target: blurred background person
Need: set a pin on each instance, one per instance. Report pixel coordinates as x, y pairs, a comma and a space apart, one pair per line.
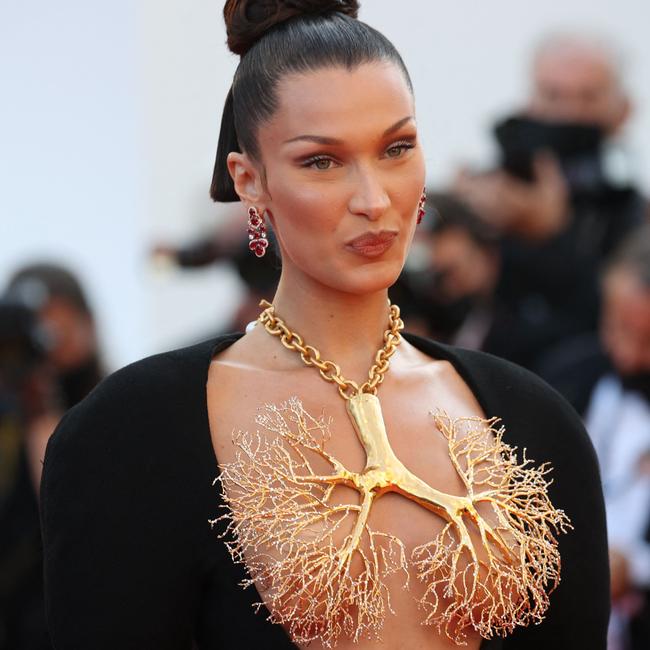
448, 287
56, 295
608, 380
48, 362
29, 410
562, 199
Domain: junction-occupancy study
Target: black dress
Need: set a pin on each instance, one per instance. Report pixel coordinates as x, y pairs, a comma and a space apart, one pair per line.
132, 563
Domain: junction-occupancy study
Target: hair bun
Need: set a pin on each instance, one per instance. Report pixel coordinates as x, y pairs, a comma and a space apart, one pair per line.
247, 20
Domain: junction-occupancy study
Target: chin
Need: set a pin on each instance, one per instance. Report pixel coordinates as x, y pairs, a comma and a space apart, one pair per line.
369, 278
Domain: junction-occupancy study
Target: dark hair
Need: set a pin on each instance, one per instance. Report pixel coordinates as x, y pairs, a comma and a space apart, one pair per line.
633, 254
276, 38
34, 284
451, 213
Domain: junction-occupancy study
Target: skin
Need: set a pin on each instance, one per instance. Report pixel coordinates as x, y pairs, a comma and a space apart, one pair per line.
534, 211
337, 300
72, 332
572, 81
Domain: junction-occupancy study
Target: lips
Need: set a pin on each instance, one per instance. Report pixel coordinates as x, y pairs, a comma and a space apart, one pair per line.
372, 244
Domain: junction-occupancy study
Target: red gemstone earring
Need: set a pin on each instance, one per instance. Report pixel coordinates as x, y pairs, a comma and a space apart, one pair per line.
421, 204
256, 232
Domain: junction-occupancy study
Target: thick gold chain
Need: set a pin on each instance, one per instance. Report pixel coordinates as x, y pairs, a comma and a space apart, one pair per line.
328, 369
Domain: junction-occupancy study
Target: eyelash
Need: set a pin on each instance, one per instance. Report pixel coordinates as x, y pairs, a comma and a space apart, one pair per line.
404, 145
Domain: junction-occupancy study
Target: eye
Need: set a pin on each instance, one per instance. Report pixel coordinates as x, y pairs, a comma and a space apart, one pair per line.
398, 148
321, 163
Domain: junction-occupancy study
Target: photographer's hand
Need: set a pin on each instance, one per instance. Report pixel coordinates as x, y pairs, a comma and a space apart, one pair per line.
533, 210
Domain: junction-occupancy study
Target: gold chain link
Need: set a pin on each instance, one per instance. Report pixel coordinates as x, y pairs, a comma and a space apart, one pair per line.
328, 369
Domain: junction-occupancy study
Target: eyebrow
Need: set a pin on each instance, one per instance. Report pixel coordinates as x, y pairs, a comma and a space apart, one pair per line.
320, 139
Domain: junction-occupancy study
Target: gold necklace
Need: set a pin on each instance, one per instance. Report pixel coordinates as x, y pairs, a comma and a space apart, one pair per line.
490, 582
328, 369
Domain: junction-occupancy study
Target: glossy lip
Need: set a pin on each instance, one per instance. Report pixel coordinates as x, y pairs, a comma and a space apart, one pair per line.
372, 244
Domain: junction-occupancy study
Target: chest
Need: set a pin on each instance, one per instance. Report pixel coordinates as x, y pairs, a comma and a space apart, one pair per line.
379, 476
334, 505
397, 435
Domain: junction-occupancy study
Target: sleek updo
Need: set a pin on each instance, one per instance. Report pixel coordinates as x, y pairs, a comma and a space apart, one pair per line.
275, 38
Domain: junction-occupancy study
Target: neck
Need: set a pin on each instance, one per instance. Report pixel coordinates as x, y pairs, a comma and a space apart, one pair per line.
346, 328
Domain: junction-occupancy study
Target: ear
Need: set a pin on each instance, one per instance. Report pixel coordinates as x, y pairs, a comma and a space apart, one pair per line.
247, 179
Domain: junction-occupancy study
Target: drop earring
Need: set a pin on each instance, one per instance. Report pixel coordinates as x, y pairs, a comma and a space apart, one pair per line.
257, 232
421, 204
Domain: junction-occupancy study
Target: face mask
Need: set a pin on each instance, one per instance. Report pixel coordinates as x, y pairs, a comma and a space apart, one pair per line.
444, 315
447, 317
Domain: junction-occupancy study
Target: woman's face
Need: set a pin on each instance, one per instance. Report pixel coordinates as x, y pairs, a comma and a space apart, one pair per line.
341, 175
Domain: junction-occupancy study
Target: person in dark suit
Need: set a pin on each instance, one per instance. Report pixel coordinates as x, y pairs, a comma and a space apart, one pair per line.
607, 379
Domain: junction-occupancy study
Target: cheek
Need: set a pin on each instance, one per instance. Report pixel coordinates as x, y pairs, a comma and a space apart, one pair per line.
406, 199
404, 186
305, 218
414, 178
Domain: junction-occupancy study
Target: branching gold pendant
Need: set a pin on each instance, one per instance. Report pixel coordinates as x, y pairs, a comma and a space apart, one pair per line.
323, 569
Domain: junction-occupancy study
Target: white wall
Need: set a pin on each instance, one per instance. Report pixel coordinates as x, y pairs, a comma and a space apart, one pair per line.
110, 116
70, 186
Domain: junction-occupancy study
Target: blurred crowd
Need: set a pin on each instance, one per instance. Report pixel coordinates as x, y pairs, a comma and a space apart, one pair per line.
543, 259
49, 361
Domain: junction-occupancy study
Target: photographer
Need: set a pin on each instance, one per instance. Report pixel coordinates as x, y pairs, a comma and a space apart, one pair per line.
561, 198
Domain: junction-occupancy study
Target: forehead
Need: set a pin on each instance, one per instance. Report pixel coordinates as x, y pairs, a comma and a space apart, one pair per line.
340, 102
574, 67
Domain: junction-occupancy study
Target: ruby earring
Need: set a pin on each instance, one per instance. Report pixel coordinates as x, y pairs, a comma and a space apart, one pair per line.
256, 232
421, 204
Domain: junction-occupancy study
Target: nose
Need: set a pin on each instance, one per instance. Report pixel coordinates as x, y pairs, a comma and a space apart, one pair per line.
369, 199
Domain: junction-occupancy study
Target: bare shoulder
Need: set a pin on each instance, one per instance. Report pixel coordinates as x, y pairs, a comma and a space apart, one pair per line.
438, 379
253, 352
244, 377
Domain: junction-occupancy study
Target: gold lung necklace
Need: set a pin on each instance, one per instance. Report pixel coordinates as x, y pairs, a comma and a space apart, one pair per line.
322, 582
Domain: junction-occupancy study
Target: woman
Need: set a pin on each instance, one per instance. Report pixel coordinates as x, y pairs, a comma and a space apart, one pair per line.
358, 515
